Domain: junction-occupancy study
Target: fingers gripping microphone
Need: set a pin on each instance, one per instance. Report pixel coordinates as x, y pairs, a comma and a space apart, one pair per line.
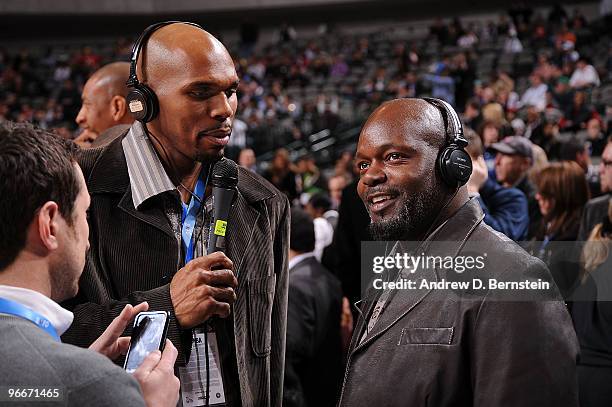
224, 181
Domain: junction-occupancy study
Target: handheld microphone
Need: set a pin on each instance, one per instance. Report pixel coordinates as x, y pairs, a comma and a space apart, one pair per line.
224, 180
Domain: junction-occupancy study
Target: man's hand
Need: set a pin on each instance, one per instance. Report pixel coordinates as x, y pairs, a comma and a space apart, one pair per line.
110, 343
479, 175
198, 292
160, 387
85, 139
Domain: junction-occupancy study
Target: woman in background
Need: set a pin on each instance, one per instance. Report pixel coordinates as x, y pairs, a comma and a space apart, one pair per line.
562, 192
592, 316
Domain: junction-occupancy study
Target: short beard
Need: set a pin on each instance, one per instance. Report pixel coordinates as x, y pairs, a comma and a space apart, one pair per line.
414, 218
65, 274
206, 158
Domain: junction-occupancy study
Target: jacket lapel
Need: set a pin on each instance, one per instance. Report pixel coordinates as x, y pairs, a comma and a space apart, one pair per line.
151, 214
447, 241
240, 230
110, 175
397, 306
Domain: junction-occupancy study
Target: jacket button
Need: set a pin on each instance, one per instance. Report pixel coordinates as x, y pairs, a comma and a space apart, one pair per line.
165, 279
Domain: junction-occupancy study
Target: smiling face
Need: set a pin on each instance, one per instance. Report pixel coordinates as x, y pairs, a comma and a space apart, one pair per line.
396, 157
195, 81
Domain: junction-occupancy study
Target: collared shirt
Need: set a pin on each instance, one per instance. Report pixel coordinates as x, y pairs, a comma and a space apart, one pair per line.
149, 180
299, 258
148, 177
60, 318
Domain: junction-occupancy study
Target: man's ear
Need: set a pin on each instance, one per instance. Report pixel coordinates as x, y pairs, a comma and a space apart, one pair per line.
48, 222
118, 108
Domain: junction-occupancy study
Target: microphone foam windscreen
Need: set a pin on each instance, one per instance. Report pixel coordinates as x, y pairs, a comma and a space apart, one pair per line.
225, 174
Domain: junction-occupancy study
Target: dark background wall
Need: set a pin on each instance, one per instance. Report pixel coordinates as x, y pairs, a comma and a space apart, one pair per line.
23, 19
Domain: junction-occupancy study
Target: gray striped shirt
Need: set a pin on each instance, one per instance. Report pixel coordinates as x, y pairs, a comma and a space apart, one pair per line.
149, 179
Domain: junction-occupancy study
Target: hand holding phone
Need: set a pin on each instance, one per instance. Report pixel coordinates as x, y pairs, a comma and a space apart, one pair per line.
148, 335
160, 387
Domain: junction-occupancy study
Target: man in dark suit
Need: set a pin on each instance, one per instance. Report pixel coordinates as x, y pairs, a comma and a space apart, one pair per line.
314, 357
435, 347
150, 214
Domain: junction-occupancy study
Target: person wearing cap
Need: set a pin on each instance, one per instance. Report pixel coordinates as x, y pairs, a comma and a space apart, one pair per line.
513, 160
505, 209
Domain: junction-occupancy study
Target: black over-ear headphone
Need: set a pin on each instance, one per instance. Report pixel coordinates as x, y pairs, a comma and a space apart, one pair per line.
141, 99
454, 163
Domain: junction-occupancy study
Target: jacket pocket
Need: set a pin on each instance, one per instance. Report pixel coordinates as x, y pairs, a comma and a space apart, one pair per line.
426, 336
260, 301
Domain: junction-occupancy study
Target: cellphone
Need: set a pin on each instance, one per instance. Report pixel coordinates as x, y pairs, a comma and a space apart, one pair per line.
149, 334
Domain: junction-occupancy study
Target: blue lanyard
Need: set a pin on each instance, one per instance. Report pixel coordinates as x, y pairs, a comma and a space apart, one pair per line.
542, 251
14, 308
188, 220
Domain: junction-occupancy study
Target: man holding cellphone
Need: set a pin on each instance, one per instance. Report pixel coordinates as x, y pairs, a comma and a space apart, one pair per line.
43, 241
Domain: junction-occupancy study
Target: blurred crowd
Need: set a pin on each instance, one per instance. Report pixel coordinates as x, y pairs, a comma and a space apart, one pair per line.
534, 91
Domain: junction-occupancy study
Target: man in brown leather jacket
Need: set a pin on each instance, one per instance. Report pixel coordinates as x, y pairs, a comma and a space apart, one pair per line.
430, 347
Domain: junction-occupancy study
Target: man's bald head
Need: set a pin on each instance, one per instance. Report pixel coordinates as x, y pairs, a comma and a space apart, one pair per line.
112, 77
413, 116
173, 48
194, 79
103, 101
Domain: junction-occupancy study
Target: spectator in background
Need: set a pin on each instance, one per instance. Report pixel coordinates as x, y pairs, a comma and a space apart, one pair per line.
597, 208
513, 44
512, 163
335, 185
562, 193
584, 76
471, 115
595, 136
310, 180
103, 104
578, 114
317, 207
535, 95
505, 209
313, 367
574, 150
592, 316
247, 159
344, 166
546, 135
489, 134
562, 94
442, 84
238, 141
281, 174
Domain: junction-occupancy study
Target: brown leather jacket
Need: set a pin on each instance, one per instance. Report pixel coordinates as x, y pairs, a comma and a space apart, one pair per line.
429, 348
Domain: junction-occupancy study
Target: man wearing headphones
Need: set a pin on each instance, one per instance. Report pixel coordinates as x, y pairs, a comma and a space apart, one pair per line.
149, 226
423, 345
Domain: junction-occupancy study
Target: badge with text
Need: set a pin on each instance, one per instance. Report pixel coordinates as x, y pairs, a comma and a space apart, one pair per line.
193, 375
